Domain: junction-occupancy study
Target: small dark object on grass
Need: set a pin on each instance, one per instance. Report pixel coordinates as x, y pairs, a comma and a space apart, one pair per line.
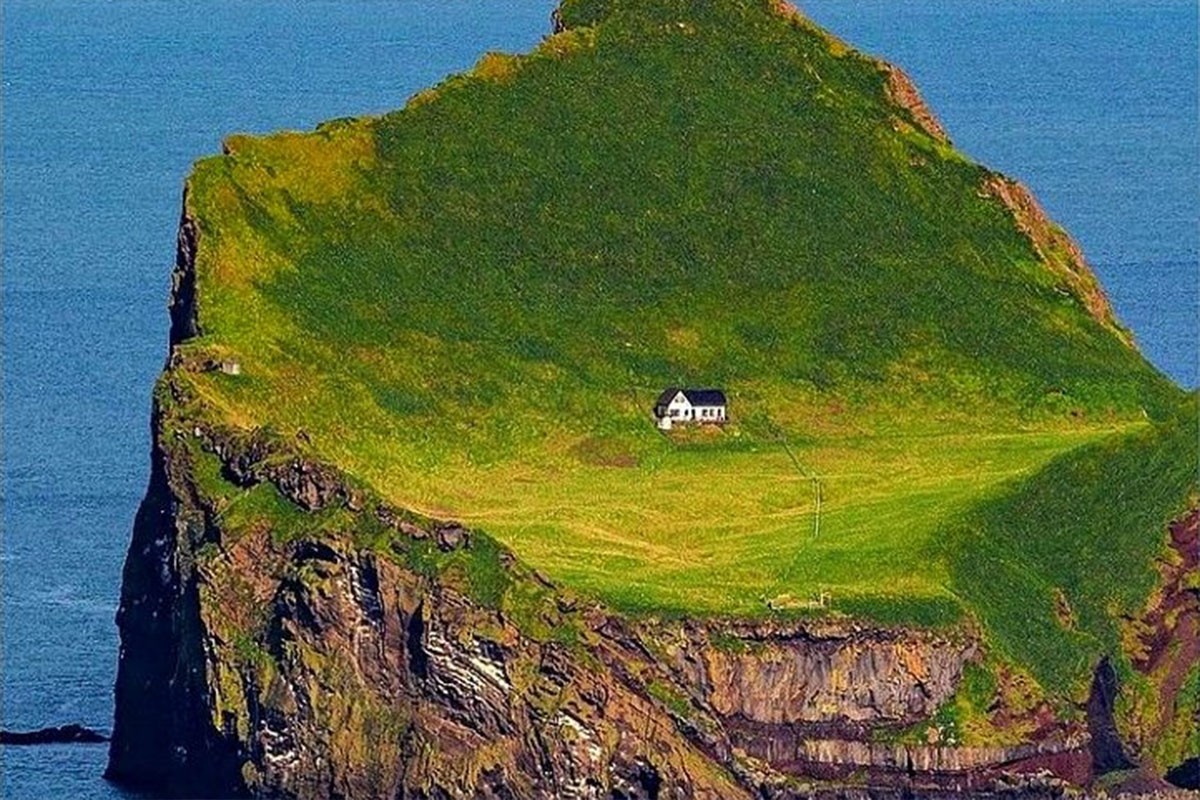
1186, 775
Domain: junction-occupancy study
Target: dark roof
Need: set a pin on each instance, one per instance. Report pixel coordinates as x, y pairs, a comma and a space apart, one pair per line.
705, 397
697, 397
667, 396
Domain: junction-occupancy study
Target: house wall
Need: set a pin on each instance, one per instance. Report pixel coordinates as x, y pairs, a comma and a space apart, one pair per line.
680, 409
682, 406
716, 413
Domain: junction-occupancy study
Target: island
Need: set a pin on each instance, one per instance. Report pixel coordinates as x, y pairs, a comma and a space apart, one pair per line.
415, 527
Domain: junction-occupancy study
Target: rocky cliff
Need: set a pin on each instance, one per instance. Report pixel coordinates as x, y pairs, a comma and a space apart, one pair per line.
376, 654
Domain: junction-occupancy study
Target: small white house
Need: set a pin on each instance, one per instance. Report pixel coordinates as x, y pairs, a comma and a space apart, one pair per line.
697, 406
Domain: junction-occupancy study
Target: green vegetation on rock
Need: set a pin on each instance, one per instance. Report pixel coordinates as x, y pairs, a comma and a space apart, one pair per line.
470, 305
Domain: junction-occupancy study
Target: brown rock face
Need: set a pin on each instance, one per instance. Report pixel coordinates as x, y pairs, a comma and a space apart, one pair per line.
808, 699
1164, 646
903, 92
431, 696
834, 676
1056, 248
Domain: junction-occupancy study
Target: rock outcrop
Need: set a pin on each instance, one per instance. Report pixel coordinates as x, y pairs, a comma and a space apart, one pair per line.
1159, 728
1056, 248
903, 92
826, 673
62, 734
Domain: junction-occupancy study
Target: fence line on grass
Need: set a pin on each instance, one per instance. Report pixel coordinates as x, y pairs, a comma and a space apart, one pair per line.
818, 488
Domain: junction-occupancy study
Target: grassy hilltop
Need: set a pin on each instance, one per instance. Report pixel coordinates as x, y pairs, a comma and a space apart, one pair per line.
471, 303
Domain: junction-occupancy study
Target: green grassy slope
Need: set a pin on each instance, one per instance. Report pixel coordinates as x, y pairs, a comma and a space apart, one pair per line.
1052, 566
471, 304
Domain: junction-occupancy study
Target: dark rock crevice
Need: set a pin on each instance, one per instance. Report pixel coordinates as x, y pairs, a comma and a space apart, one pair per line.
418, 658
1187, 774
182, 308
1108, 752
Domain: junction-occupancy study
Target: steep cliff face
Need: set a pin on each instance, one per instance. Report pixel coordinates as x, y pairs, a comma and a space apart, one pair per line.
1158, 716
162, 685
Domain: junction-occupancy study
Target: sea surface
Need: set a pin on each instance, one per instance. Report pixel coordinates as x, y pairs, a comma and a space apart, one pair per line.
107, 102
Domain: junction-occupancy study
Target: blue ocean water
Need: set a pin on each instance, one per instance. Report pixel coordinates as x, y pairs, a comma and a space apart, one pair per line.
105, 105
